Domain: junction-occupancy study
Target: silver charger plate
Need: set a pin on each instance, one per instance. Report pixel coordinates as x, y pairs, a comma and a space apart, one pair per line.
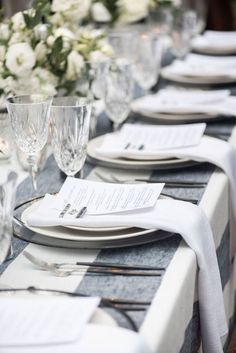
79, 238
170, 163
214, 80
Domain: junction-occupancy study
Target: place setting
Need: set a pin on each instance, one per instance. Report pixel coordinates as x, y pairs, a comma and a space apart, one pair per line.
215, 43
197, 69
175, 105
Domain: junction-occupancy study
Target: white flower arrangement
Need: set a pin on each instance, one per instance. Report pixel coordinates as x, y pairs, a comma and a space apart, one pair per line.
126, 11
37, 55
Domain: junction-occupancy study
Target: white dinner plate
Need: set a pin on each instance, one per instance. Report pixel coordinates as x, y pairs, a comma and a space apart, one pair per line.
161, 163
78, 238
184, 117
210, 80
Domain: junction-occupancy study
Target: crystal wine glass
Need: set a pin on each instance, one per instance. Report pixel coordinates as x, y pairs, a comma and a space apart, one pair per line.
118, 92
70, 118
148, 60
29, 115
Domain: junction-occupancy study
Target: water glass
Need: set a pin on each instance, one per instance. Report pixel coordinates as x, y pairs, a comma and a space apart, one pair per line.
148, 60
29, 115
7, 200
118, 92
69, 126
183, 27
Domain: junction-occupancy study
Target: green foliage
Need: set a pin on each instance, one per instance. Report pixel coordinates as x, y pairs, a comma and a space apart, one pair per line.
32, 20
58, 57
41, 10
42, 6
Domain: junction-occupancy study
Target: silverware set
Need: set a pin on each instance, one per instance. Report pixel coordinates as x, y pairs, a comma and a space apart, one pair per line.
93, 268
185, 184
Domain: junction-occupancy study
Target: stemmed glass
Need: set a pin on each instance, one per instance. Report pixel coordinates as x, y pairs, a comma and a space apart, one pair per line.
69, 125
118, 91
148, 60
29, 115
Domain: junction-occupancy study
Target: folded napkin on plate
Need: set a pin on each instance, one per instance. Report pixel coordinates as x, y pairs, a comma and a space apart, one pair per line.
174, 216
204, 66
187, 101
215, 41
213, 150
135, 141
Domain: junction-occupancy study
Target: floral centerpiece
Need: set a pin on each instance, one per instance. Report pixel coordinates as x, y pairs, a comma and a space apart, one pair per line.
43, 49
121, 12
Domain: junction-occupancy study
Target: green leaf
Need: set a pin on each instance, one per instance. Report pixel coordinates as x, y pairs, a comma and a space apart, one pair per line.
42, 6
57, 46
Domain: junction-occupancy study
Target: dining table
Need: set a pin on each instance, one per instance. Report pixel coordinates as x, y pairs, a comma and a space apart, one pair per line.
168, 318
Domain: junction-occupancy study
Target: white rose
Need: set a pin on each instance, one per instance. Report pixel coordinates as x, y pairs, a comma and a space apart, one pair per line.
75, 63
2, 53
100, 13
20, 59
72, 9
45, 76
19, 37
45, 81
18, 22
133, 11
65, 33
4, 31
40, 51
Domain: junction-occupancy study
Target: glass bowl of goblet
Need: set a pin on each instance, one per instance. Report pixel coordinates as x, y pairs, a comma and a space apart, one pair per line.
69, 127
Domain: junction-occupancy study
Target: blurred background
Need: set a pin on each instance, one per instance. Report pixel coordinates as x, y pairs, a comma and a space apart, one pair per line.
221, 13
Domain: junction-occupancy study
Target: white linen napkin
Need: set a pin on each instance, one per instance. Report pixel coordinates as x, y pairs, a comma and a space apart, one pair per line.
215, 41
174, 216
204, 66
187, 101
210, 149
95, 339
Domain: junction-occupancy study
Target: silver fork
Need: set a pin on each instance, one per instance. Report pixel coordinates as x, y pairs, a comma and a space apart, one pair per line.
110, 180
66, 269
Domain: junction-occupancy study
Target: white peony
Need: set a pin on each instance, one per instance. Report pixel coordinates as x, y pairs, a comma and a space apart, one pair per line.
18, 22
20, 59
133, 10
72, 9
2, 53
100, 13
40, 51
75, 63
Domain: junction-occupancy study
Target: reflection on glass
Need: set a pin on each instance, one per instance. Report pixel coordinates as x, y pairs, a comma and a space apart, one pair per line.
70, 118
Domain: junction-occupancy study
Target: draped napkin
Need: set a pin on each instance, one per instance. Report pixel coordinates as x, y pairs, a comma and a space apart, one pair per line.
216, 41
95, 339
175, 101
195, 65
173, 216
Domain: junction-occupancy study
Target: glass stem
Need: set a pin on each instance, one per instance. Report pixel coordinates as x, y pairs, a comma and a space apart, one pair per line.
31, 159
115, 126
